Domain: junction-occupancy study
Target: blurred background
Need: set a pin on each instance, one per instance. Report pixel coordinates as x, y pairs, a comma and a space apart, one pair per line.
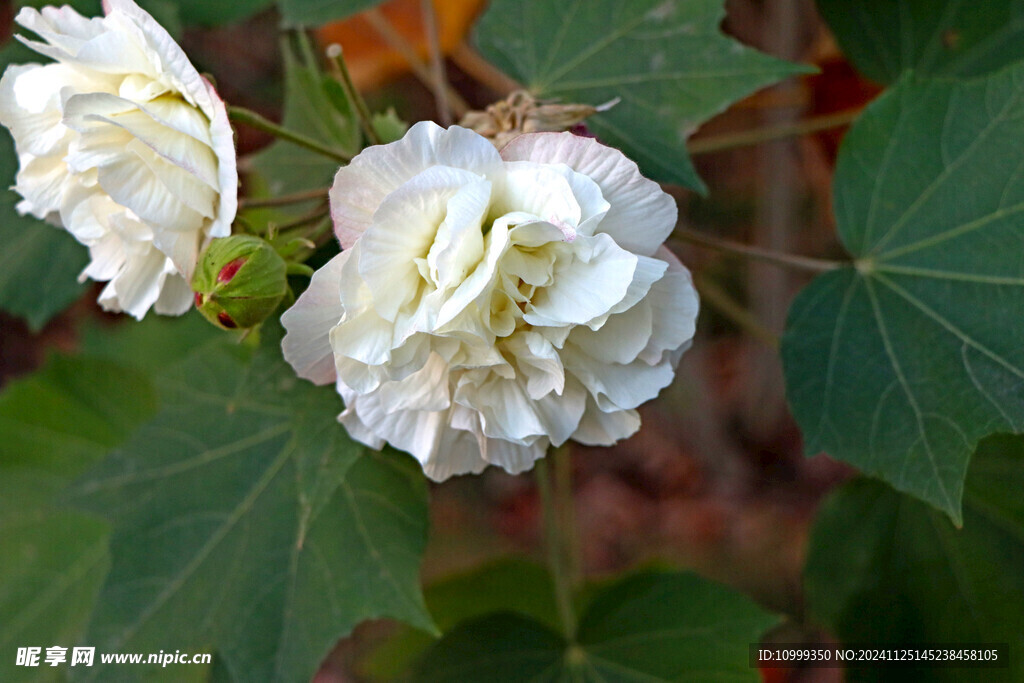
716, 479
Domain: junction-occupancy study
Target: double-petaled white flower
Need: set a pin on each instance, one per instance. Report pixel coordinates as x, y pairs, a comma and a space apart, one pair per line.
487, 305
123, 143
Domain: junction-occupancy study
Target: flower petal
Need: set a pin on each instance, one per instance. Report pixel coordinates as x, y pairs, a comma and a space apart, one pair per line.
308, 323
640, 216
361, 186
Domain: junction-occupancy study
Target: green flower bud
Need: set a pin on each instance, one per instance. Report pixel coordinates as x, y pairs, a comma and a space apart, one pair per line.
239, 282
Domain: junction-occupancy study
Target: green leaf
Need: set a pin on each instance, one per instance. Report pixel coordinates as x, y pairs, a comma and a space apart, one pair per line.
668, 62
70, 414
245, 521
506, 585
53, 425
54, 564
315, 105
884, 38
900, 364
299, 13
388, 126
648, 627
884, 568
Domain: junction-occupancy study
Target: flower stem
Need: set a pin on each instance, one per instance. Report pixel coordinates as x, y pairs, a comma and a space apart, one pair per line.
399, 44
254, 120
440, 80
748, 138
334, 53
285, 199
734, 311
480, 70
756, 253
559, 530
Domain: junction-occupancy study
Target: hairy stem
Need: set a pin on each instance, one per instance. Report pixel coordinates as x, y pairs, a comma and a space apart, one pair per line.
756, 253
556, 500
253, 120
439, 78
284, 200
721, 301
748, 138
397, 42
334, 53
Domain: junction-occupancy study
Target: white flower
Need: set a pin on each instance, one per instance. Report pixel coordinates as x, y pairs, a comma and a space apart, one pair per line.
123, 143
487, 305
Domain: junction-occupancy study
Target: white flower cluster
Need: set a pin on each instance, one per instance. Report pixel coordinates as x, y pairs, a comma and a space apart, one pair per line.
123, 143
486, 306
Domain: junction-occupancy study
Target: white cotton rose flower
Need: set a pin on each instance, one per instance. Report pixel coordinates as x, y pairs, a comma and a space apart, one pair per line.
125, 145
487, 305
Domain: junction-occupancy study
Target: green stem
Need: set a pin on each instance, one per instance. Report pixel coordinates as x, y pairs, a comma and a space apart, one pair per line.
253, 120
334, 53
748, 138
285, 199
734, 311
559, 532
756, 253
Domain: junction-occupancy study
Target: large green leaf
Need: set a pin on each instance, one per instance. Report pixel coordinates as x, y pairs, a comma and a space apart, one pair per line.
53, 425
884, 38
298, 13
668, 62
648, 627
902, 362
884, 568
245, 521
506, 585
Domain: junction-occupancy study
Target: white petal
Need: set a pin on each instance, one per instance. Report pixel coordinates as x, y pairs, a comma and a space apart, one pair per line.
620, 339
175, 296
598, 428
615, 386
674, 305
361, 186
306, 344
403, 230
641, 214
586, 285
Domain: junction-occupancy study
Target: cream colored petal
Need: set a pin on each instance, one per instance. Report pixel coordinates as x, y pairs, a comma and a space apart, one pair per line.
640, 216
308, 323
361, 186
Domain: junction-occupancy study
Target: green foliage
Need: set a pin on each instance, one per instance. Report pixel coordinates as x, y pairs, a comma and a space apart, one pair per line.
204, 12
668, 62
507, 585
650, 626
53, 425
298, 13
884, 38
245, 521
901, 363
316, 105
886, 568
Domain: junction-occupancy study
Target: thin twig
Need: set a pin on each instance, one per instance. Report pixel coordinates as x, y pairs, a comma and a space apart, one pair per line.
480, 70
283, 200
748, 138
747, 251
254, 120
311, 217
440, 79
722, 302
397, 42
334, 53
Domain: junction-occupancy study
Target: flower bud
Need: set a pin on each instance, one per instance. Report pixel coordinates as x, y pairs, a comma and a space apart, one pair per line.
239, 282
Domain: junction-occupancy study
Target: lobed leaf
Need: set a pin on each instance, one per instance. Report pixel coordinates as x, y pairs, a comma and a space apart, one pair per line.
884, 568
901, 362
667, 60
